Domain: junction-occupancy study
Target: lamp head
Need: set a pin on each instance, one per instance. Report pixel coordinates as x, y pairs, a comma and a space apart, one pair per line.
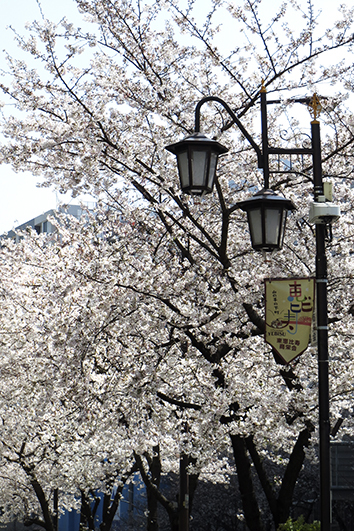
197, 157
266, 212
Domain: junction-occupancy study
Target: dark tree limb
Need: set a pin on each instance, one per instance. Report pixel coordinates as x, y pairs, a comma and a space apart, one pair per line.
249, 500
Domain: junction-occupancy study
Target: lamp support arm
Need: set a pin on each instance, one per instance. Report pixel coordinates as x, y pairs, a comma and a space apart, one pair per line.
235, 120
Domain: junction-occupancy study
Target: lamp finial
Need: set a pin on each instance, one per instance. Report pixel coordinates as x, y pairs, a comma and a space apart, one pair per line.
315, 107
263, 89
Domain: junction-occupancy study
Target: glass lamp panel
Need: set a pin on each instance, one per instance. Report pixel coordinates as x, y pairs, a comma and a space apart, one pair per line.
199, 167
212, 169
272, 225
183, 168
255, 224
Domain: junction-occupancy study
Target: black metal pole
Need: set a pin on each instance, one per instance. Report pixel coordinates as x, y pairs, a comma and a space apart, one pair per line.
322, 339
265, 146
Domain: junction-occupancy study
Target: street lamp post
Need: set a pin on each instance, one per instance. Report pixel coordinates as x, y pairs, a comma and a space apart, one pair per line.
197, 158
322, 338
322, 214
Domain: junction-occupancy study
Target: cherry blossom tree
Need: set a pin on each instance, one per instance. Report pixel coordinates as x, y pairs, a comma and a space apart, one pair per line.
157, 301
52, 412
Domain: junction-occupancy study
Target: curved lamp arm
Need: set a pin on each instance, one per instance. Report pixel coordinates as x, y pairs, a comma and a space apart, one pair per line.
235, 120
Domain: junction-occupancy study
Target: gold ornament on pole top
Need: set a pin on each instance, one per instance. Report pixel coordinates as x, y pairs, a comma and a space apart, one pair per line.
315, 108
263, 89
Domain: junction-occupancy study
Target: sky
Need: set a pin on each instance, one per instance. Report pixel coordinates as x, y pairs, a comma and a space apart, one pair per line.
20, 198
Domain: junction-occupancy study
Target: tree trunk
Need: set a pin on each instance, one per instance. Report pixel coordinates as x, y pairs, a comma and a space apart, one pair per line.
48, 523
155, 471
174, 520
291, 475
87, 514
56, 509
110, 505
170, 507
280, 506
249, 500
183, 499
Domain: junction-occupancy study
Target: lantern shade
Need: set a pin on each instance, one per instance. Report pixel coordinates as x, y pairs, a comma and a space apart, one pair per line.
197, 158
266, 212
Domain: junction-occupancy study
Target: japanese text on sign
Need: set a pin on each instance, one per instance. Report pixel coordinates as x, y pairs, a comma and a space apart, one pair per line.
289, 309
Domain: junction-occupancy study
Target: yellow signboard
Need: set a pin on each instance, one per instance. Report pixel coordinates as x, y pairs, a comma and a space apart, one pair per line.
289, 310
